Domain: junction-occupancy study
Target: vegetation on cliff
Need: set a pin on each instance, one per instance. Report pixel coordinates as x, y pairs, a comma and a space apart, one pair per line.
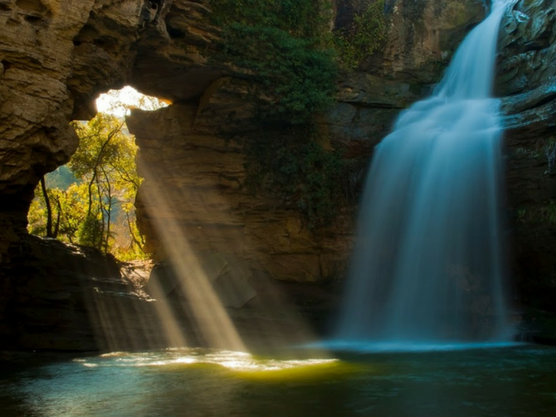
281, 45
365, 35
299, 171
288, 49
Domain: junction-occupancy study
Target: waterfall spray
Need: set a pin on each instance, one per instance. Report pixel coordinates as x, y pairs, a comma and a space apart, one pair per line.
429, 261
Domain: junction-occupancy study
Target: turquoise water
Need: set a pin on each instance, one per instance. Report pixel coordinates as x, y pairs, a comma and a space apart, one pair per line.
508, 381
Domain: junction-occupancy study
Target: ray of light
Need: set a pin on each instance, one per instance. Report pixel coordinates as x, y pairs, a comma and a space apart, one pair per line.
209, 314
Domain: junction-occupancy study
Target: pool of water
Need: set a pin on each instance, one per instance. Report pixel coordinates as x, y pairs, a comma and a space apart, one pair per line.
494, 381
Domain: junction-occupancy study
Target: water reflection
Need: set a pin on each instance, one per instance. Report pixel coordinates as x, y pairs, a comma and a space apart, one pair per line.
237, 361
365, 346
513, 381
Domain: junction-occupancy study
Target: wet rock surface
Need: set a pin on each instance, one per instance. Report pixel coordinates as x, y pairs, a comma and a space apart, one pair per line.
525, 81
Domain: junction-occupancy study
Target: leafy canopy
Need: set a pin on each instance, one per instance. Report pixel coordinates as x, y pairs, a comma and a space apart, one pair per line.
96, 207
281, 45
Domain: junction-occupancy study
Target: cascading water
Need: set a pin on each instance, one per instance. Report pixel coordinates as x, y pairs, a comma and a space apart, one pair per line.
428, 266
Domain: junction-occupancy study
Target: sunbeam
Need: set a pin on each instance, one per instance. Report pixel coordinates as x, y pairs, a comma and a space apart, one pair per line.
209, 314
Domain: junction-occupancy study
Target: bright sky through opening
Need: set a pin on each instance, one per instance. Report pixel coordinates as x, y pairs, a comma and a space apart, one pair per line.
120, 102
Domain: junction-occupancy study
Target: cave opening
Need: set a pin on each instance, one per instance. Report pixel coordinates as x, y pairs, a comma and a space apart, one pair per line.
90, 201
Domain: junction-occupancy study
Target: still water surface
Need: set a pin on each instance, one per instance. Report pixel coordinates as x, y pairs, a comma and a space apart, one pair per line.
510, 381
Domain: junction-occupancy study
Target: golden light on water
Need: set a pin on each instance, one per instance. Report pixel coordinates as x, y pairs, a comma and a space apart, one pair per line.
242, 364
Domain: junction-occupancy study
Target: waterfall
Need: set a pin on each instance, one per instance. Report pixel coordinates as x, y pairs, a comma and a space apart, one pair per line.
428, 265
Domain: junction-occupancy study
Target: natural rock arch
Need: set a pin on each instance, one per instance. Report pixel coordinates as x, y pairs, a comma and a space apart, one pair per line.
67, 54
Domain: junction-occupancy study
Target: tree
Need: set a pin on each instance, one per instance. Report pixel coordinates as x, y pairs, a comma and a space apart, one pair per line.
49, 232
105, 161
100, 198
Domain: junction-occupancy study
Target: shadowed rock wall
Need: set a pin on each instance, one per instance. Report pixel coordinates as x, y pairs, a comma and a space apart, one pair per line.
194, 175
421, 38
56, 56
526, 81
187, 153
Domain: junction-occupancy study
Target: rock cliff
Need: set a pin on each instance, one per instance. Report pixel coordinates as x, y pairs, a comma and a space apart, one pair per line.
187, 153
526, 75
56, 56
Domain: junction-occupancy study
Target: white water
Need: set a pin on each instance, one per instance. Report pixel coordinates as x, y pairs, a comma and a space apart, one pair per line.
428, 266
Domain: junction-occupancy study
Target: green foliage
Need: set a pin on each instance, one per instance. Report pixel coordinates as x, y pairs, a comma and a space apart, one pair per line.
303, 174
286, 46
541, 213
128, 242
300, 18
365, 36
280, 44
68, 212
92, 197
36, 219
296, 79
287, 49
91, 232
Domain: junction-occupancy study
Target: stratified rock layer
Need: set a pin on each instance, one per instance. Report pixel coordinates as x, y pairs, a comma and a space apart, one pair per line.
68, 298
194, 172
526, 81
421, 37
193, 195
56, 56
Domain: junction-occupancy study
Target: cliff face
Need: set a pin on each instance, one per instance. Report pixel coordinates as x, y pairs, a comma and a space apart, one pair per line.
526, 75
194, 172
193, 191
56, 56
421, 38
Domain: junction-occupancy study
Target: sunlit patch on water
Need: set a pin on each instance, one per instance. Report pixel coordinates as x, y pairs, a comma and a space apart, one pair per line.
235, 361
510, 381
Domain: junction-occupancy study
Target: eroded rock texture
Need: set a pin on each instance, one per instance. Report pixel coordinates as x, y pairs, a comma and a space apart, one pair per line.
67, 298
56, 56
193, 195
526, 81
187, 155
421, 38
